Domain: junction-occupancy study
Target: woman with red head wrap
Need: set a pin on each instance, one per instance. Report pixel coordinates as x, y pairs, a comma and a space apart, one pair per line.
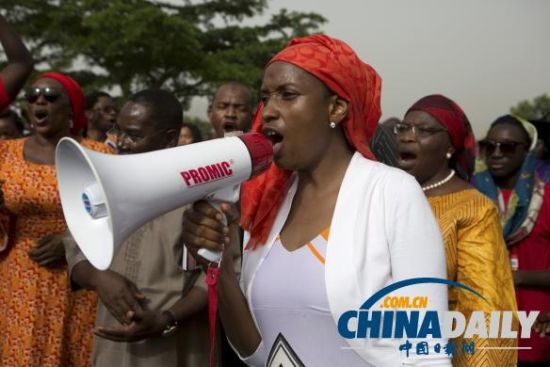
325, 226
437, 146
43, 323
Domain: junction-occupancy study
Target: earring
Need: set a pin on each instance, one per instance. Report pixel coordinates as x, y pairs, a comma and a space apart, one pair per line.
332, 124
448, 155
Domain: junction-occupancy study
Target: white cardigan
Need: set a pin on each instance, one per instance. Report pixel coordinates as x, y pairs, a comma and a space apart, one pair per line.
382, 231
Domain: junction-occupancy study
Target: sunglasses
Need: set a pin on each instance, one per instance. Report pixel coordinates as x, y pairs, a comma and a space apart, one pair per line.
49, 94
488, 147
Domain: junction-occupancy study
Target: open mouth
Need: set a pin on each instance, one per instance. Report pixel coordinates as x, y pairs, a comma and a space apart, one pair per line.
273, 136
41, 117
407, 156
407, 160
229, 126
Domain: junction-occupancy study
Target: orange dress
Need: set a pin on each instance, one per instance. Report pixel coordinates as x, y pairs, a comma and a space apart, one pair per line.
42, 322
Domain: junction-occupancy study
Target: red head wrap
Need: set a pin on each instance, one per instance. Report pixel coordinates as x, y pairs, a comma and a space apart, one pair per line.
335, 64
74, 92
450, 115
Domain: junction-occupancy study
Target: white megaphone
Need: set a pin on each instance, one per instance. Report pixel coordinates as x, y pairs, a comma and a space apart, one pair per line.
105, 198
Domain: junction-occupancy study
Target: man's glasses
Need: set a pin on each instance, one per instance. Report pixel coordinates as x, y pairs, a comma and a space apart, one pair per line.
121, 136
488, 147
418, 131
49, 94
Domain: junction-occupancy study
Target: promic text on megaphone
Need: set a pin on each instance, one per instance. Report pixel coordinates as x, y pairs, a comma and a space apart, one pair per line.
105, 198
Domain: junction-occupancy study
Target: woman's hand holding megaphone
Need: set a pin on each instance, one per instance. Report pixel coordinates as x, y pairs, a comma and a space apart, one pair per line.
204, 227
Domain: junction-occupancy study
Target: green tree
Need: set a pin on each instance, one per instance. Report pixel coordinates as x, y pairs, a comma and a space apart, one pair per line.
186, 46
536, 109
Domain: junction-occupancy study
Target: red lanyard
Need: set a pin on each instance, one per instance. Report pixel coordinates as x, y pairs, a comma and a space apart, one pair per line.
212, 274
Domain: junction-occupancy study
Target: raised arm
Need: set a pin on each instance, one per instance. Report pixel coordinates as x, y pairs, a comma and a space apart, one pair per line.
20, 62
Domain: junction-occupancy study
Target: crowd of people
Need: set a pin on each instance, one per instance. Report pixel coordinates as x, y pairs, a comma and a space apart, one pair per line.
349, 205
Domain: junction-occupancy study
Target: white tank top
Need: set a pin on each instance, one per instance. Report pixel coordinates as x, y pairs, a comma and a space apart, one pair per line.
289, 302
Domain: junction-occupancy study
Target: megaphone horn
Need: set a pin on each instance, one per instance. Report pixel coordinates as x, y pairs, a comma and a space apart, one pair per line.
105, 198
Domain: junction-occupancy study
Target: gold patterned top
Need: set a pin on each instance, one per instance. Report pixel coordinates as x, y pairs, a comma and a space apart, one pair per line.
477, 257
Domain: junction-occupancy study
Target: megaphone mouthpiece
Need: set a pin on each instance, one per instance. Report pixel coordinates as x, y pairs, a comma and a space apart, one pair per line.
261, 152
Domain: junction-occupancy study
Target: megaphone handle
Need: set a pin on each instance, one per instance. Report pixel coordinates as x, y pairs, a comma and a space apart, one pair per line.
213, 256
209, 255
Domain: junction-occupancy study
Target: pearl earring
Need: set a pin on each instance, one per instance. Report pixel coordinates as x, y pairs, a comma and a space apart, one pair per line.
332, 124
448, 155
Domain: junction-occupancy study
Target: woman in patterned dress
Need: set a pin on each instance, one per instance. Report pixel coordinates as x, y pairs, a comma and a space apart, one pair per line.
437, 146
43, 323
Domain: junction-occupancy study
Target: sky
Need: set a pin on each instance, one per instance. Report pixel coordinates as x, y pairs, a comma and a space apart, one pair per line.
486, 55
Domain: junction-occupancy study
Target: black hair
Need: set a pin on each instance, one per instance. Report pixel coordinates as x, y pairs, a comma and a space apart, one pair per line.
195, 131
164, 107
238, 84
511, 120
91, 99
17, 120
383, 145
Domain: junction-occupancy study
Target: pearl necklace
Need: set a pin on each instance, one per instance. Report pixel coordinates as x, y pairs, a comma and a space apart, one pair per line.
442, 182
